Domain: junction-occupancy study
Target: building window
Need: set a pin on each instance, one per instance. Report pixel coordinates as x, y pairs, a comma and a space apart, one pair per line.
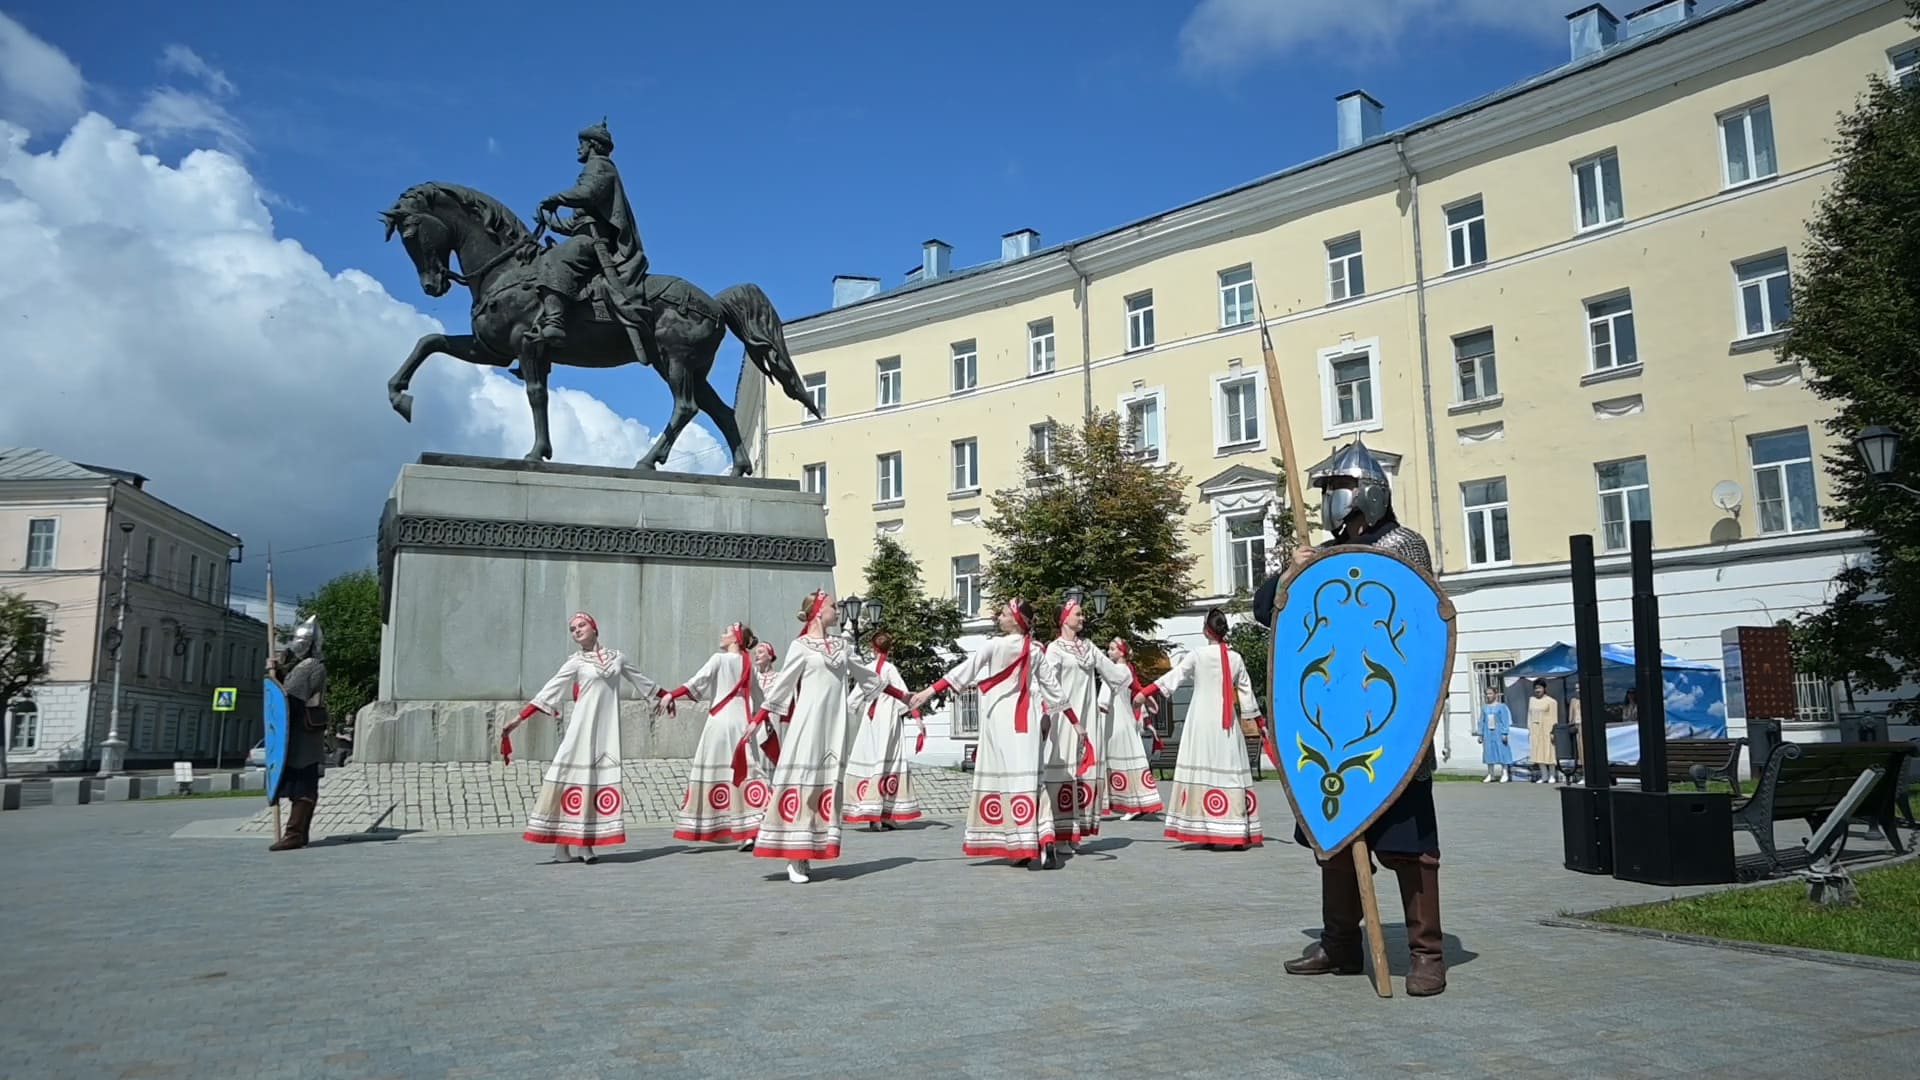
1906, 66
147, 573
1766, 295
42, 535
1143, 427
966, 584
193, 575
36, 639
1596, 183
1466, 234
1610, 338
1350, 391
813, 478
891, 482
1486, 507
189, 672
1624, 496
1040, 347
887, 372
1489, 675
1236, 411
966, 465
1746, 140
966, 366
1140, 321
1475, 377
1040, 444
1247, 550
1236, 297
1346, 276
141, 654
206, 664
23, 726
816, 385
966, 712
1783, 482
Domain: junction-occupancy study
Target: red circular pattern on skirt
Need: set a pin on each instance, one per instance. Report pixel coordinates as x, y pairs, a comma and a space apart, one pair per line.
1064, 801
607, 802
1023, 808
1216, 803
573, 800
1118, 781
890, 785
719, 797
1147, 781
826, 804
860, 790
790, 805
1086, 793
757, 793
1252, 803
990, 811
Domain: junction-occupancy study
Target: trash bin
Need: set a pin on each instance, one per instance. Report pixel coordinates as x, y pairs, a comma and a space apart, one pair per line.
1862, 727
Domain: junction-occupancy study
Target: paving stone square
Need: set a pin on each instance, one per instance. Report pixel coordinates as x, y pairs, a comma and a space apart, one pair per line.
143, 940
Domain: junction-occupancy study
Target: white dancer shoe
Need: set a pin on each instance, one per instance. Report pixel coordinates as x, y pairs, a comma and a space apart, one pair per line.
797, 873
1487, 779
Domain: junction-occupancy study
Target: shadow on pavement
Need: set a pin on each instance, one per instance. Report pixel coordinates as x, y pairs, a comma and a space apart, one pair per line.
1457, 955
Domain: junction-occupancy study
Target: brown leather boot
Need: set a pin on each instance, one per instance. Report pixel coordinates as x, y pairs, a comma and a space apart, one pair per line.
1420, 898
1338, 951
299, 821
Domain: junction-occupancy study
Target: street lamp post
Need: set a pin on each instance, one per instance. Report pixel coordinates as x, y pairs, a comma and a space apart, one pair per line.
113, 750
1879, 448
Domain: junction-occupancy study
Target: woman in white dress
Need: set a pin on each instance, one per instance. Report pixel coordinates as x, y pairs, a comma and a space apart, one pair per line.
1009, 817
1083, 670
716, 808
579, 804
879, 774
1129, 787
803, 823
1213, 801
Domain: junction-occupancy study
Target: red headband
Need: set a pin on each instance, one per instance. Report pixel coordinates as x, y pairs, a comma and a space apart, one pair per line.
584, 615
1124, 650
734, 632
819, 605
1070, 607
1014, 606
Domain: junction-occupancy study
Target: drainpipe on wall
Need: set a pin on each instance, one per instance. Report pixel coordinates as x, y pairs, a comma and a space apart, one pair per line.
1086, 344
100, 610
1426, 363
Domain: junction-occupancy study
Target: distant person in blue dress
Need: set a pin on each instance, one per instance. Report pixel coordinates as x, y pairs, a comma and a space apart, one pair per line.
1495, 722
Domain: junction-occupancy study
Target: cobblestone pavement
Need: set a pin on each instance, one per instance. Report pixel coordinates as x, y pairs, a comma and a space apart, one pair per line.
133, 953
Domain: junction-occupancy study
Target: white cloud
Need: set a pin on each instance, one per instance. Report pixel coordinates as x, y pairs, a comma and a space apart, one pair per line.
179, 59
493, 145
583, 429
168, 113
1224, 35
40, 88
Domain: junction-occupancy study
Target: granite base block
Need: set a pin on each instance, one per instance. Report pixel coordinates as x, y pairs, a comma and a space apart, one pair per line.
119, 789
9, 794
70, 790
469, 731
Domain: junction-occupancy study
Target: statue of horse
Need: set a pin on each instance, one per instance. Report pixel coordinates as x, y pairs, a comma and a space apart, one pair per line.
497, 254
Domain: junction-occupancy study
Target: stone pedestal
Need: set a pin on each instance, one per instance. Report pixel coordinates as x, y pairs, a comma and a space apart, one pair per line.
483, 560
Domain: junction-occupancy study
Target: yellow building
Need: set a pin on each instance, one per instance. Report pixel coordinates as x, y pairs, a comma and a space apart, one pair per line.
1549, 311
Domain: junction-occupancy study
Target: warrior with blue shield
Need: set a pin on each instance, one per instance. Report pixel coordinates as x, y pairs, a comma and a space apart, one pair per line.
302, 674
1357, 508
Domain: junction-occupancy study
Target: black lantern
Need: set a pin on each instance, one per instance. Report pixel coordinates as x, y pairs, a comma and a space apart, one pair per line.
875, 610
1100, 598
850, 606
1076, 596
1878, 448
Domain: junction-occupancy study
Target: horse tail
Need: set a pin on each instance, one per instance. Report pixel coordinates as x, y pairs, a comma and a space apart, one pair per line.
751, 317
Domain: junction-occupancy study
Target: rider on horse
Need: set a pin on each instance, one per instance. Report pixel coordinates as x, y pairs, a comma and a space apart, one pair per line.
601, 241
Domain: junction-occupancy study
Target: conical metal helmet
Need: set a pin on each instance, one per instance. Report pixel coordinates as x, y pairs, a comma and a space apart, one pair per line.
306, 640
598, 133
1371, 495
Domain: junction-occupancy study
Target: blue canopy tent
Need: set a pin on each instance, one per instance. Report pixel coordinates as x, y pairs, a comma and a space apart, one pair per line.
1695, 698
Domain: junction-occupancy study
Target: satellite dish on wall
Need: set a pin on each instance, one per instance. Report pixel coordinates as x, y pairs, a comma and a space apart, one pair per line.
1726, 496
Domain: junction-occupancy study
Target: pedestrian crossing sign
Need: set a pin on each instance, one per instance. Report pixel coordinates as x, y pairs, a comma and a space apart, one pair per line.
223, 698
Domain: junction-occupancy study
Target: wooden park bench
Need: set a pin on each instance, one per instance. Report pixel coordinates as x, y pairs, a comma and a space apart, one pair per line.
1162, 762
1806, 781
1719, 759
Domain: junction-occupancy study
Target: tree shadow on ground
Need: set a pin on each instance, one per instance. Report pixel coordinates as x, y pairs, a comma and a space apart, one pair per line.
1455, 954
649, 854
847, 871
368, 836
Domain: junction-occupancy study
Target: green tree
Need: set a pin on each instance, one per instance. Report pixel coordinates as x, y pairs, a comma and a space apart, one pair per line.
924, 628
349, 611
1096, 516
24, 636
1856, 325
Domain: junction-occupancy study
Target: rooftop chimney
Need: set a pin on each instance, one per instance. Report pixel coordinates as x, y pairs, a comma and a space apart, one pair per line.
1018, 244
1591, 29
936, 259
1359, 117
1658, 16
850, 289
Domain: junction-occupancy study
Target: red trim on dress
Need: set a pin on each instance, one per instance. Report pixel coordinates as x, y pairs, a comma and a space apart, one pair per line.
719, 833
767, 849
1200, 838
573, 841
882, 816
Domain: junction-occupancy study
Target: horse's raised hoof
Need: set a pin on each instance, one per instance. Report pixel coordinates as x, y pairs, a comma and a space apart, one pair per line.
643, 465
402, 404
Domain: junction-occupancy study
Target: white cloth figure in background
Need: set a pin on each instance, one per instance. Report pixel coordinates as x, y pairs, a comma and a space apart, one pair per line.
879, 772
803, 823
715, 807
1128, 787
580, 802
1082, 670
1009, 817
1212, 801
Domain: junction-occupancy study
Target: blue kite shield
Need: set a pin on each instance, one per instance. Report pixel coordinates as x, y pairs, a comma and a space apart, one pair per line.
274, 711
1362, 651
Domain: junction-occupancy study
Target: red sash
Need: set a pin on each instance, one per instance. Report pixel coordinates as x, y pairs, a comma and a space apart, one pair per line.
1227, 696
880, 669
1018, 669
739, 688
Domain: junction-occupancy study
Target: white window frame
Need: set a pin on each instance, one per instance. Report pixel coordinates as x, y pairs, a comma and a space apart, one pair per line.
966, 713
890, 483
1236, 296
1140, 323
1237, 503
1903, 64
1256, 570
1255, 379
1490, 674
889, 383
1463, 231
1478, 519
1740, 285
1158, 395
52, 545
1626, 501
1331, 425
1041, 358
1346, 265
28, 709
1751, 148
1044, 441
1610, 320
813, 478
965, 457
1483, 364
1786, 489
816, 387
1597, 162
965, 360
966, 587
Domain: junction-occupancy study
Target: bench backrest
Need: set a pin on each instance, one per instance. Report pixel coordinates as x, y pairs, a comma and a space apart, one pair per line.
1819, 775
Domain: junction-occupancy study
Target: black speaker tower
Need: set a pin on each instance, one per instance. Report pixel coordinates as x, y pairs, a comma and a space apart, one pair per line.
1586, 820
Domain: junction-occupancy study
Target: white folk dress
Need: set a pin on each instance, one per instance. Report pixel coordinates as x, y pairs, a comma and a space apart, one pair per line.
1082, 670
1009, 817
715, 808
1129, 786
803, 821
1212, 800
580, 802
879, 776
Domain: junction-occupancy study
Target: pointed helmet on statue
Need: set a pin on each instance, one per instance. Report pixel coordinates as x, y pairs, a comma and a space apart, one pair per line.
599, 136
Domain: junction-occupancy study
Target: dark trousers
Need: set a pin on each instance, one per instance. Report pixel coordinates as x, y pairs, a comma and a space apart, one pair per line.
301, 783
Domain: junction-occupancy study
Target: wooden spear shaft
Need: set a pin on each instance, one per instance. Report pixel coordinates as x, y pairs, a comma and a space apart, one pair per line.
1296, 502
274, 795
